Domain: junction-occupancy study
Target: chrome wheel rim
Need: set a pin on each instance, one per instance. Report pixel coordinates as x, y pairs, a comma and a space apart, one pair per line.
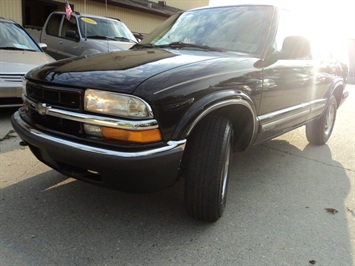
329, 120
225, 173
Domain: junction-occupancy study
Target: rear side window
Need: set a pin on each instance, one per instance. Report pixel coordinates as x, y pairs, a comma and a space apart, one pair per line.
54, 24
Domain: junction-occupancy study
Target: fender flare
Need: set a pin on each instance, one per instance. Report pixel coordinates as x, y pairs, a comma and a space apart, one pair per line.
211, 103
337, 89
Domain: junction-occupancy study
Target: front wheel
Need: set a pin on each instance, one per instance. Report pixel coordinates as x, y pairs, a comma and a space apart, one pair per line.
318, 131
206, 166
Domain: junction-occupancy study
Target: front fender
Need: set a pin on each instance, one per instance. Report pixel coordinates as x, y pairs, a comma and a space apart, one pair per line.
90, 51
338, 90
214, 103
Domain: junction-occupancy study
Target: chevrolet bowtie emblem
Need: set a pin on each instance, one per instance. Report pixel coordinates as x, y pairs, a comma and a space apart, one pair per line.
42, 108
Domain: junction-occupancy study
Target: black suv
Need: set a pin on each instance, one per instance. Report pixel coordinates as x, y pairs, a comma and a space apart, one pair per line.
205, 83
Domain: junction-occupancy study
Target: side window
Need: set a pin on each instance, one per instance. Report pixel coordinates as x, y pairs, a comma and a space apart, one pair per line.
330, 49
53, 24
292, 36
69, 25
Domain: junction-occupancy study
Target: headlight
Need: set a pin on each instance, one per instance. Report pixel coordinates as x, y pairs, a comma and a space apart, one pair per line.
116, 104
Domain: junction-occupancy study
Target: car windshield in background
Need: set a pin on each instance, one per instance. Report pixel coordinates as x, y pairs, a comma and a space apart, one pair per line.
240, 29
101, 28
12, 37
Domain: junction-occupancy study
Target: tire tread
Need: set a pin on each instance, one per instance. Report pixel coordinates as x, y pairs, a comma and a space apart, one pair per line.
201, 170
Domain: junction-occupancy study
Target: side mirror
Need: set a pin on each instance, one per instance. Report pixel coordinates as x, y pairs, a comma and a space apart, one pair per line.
43, 46
295, 47
72, 34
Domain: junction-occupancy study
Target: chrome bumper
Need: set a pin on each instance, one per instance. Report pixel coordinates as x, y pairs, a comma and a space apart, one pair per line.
171, 145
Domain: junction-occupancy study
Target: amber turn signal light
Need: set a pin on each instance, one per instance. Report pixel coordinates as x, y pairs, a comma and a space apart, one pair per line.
144, 136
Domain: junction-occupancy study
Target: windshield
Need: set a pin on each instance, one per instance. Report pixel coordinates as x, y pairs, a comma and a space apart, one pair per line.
240, 28
13, 37
93, 27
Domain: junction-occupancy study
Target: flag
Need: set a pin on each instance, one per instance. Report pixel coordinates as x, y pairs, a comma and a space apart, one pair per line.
68, 10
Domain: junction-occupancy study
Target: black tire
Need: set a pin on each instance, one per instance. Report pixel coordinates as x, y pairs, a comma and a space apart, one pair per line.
319, 131
206, 167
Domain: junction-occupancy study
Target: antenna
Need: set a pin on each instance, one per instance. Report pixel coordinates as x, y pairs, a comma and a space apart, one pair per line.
108, 43
85, 28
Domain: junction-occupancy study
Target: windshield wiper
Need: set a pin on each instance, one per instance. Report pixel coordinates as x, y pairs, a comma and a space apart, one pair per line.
180, 45
140, 45
16, 48
99, 37
124, 39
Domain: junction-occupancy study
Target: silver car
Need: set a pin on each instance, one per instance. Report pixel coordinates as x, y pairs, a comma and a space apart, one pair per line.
18, 54
84, 35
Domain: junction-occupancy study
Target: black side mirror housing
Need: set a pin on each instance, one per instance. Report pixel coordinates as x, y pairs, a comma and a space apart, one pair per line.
295, 47
72, 34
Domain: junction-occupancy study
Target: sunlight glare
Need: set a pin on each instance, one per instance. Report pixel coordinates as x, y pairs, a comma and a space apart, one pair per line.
335, 16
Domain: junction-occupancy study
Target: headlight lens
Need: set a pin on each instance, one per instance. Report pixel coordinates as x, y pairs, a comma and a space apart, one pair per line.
116, 104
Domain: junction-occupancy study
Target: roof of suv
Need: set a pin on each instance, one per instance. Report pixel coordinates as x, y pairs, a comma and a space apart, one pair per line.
8, 20
78, 14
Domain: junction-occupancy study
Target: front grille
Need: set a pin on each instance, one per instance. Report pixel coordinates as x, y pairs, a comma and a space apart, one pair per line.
59, 97
55, 123
68, 99
11, 77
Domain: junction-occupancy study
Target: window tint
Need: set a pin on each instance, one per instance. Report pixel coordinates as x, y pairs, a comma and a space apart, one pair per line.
69, 25
53, 24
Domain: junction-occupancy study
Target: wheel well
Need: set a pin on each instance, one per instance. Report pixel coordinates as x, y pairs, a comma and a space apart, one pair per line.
338, 92
243, 124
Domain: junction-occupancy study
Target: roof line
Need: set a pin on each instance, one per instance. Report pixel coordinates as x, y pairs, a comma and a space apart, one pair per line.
144, 6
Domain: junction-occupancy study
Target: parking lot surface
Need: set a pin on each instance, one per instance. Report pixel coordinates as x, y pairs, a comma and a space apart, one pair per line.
289, 203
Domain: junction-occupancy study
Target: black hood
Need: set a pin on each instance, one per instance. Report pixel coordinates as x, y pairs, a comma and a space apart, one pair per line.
117, 71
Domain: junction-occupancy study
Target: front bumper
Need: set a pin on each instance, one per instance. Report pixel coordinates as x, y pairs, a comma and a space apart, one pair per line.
10, 94
142, 171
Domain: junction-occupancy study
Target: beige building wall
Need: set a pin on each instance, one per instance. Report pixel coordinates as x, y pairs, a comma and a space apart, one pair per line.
11, 9
185, 4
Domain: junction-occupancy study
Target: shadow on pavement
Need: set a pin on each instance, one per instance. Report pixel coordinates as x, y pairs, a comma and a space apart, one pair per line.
275, 215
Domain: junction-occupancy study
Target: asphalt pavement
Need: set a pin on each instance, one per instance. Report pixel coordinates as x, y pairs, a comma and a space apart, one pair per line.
289, 203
